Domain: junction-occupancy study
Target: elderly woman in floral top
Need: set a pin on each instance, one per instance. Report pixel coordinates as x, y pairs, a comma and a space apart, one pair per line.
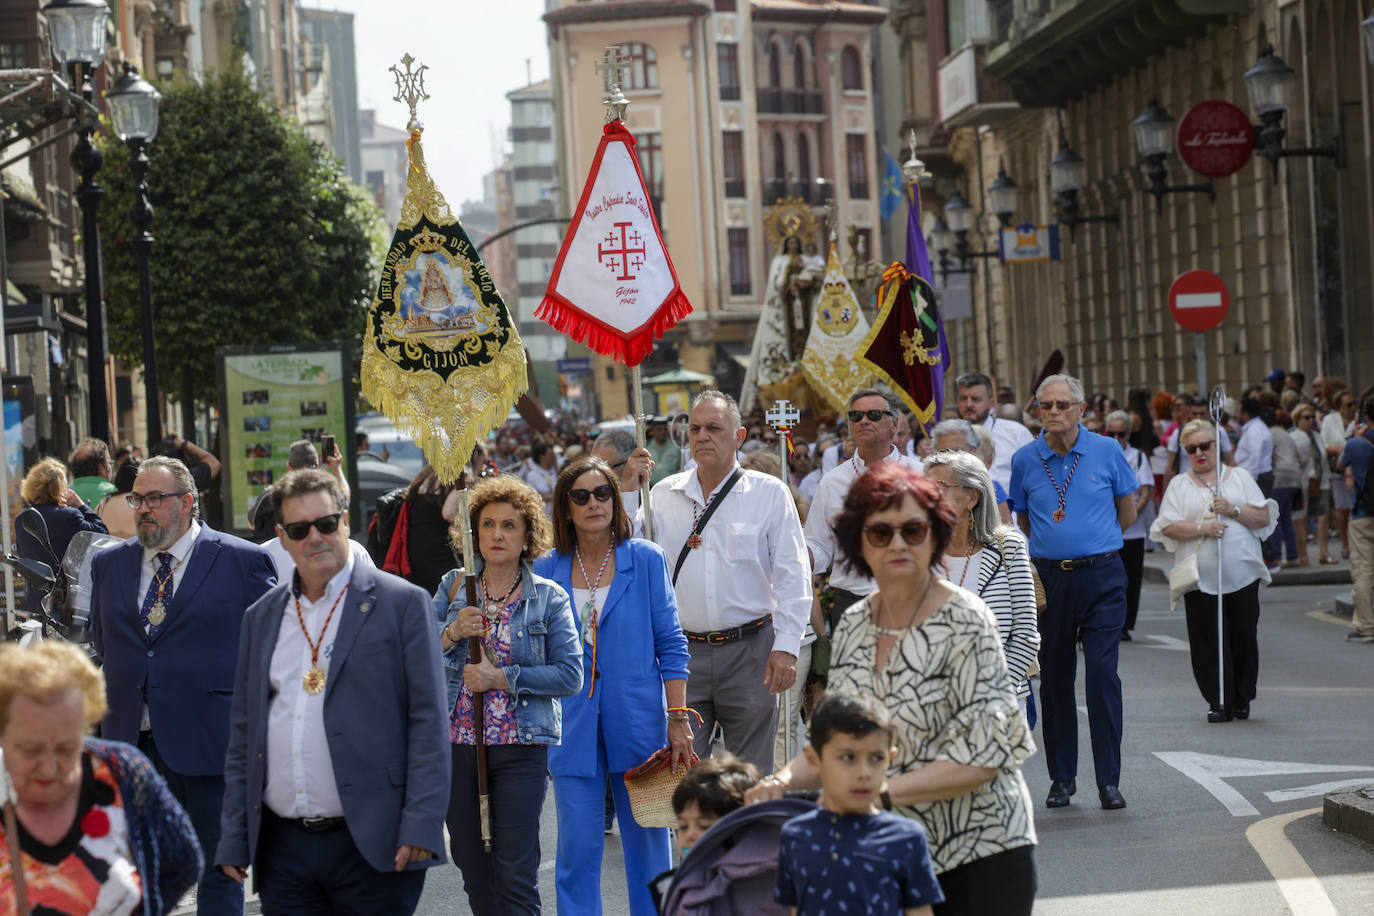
531, 657
931, 654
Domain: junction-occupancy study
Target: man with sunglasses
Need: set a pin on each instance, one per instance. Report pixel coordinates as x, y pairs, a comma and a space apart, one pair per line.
337, 774
1073, 492
872, 421
743, 583
166, 612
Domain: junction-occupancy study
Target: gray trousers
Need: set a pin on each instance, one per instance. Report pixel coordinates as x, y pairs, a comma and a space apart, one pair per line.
727, 687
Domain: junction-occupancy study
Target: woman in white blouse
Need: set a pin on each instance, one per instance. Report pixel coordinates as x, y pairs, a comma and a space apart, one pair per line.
989, 559
1198, 520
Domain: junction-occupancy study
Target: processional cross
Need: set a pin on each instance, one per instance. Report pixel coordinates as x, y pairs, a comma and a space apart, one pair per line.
611, 66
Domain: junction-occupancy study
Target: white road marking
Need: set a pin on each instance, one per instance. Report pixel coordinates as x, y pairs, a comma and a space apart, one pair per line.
1301, 889
1166, 642
1211, 770
1284, 795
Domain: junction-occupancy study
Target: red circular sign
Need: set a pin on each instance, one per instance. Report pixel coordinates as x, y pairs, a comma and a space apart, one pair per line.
1199, 300
1215, 138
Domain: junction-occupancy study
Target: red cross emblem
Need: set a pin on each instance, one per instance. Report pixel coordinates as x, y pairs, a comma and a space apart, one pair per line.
630, 258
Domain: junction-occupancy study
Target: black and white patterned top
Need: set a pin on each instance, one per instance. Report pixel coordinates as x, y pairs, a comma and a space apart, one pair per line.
947, 690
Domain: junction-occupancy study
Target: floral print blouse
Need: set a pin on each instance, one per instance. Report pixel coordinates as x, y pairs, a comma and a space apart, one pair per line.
945, 685
498, 707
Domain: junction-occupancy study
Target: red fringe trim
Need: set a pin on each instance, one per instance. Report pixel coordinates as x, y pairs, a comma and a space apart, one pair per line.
629, 349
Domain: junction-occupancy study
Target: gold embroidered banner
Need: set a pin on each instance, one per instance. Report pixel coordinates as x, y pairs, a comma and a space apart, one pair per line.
441, 356
838, 329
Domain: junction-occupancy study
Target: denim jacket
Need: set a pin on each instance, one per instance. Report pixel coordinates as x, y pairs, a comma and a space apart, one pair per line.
545, 655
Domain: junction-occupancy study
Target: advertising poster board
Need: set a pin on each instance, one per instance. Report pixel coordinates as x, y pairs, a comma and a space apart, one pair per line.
271, 397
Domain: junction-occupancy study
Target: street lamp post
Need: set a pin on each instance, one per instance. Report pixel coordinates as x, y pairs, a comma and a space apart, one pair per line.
1154, 139
1267, 84
133, 112
76, 29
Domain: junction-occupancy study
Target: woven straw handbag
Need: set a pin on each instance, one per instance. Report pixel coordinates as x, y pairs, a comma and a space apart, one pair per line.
651, 786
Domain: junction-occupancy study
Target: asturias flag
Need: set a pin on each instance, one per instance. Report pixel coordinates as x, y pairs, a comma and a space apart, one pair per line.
907, 346
892, 188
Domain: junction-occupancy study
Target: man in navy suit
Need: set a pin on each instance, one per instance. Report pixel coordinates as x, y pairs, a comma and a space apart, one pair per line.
337, 777
166, 612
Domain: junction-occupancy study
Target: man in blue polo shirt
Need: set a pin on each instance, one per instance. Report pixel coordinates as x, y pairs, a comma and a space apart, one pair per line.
1072, 492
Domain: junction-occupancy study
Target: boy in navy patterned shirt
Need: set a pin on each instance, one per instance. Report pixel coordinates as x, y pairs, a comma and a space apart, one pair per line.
849, 855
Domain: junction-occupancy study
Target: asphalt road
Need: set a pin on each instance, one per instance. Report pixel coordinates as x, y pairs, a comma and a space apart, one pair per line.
1221, 819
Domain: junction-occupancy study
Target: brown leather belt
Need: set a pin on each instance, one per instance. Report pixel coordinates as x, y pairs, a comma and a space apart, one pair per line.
721, 637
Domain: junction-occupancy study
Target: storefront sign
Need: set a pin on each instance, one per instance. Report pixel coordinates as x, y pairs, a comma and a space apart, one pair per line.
1215, 138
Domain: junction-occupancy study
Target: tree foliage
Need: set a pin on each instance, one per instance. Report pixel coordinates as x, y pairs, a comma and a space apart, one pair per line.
261, 238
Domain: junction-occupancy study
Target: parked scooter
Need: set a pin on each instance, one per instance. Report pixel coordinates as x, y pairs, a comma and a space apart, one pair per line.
63, 586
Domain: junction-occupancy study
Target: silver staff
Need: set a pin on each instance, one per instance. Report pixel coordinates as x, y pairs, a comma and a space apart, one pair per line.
1217, 406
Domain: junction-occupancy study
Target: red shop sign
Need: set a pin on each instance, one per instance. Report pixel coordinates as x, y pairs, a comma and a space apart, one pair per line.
1215, 138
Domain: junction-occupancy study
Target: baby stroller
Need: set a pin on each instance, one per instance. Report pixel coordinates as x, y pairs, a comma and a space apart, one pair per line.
733, 867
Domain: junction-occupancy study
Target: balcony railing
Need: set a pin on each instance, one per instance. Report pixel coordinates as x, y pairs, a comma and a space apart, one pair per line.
770, 101
729, 93
815, 191
858, 190
734, 187
741, 289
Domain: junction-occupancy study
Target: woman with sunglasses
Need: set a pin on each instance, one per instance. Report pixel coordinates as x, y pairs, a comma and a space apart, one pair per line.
1204, 514
634, 684
530, 660
931, 653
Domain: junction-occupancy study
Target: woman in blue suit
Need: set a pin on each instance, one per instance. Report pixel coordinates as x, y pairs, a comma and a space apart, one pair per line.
634, 685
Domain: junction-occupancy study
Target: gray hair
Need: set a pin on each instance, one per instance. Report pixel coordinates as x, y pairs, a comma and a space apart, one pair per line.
1075, 387
871, 393
962, 428
969, 471
1010, 412
1118, 415
622, 440
302, 456
720, 397
185, 483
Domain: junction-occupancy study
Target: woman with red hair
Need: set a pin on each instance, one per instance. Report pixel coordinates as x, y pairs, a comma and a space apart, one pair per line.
931, 654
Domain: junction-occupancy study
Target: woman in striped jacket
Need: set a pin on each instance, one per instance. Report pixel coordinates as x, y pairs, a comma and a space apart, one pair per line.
989, 559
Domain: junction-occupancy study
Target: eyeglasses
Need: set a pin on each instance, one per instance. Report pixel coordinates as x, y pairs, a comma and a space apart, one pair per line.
136, 500
769, 440
1061, 406
326, 524
1199, 447
875, 415
1118, 435
914, 532
581, 497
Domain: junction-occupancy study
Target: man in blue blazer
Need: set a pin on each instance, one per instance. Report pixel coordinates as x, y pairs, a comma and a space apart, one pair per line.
166, 611
337, 776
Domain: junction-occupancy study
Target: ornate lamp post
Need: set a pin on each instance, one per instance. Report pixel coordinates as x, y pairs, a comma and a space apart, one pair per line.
1154, 138
1068, 176
76, 29
133, 110
1002, 197
1267, 85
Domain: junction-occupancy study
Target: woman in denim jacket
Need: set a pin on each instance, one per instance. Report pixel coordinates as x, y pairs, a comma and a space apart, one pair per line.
634, 690
531, 658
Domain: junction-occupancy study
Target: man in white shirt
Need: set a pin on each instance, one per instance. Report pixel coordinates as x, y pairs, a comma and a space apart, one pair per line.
337, 771
975, 401
1255, 450
871, 422
742, 580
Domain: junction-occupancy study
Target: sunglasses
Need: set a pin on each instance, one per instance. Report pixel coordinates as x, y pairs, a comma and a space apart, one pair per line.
1198, 447
153, 500
1061, 406
1121, 435
875, 415
581, 497
326, 524
879, 534
769, 440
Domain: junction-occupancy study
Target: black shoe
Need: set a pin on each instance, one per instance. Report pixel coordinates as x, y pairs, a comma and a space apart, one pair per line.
1217, 714
1125, 635
1242, 712
1111, 798
1060, 792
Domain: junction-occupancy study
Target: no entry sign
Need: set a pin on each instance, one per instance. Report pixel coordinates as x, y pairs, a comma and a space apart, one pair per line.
1199, 300
1215, 138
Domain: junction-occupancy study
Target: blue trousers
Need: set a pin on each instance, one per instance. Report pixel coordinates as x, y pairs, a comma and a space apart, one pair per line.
505, 881
1089, 604
581, 842
202, 797
307, 873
